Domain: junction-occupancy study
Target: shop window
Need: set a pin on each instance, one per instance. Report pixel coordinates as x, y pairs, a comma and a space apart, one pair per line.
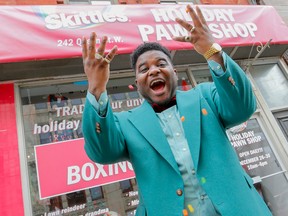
96, 193
56, 203
63, 135
272, 83
76, 101
118, 96
259, 161
202, 75
131, 212
133, 94
285, 57
40, 106
57, 100
79, 131
76, 198
126, 186
282, 119
183, 82
45, 138
47, 120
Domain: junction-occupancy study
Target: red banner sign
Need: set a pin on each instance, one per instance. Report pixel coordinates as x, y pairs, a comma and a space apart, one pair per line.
64, 167
51, 32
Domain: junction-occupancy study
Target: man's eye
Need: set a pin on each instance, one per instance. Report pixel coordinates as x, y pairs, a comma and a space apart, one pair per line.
143, 70
162, 64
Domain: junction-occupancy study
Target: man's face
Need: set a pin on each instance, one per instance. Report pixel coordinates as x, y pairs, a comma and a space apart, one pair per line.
156, 78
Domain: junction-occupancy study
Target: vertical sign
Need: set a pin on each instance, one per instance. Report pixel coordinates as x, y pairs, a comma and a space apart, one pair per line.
253, 149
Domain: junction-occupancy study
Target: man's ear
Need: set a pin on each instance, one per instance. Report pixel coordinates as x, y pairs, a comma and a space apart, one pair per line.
176, 73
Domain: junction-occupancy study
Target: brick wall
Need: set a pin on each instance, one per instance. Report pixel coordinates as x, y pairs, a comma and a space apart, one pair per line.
29, 2
281, 6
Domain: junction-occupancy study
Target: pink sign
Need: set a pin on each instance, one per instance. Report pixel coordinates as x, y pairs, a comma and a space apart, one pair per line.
64, 167
30, 33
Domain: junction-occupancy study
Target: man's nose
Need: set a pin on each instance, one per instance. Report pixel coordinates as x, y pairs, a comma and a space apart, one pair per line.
154, 70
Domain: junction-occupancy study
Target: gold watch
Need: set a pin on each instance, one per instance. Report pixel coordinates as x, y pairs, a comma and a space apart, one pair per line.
215, 48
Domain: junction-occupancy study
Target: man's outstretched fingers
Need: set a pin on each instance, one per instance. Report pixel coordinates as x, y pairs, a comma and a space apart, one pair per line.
200, 15
101, 48
91, 45
194, 16
184, 24
84, 48
109, 56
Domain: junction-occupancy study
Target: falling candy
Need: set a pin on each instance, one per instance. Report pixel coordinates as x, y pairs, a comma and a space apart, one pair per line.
191, 209
182, 118
185, 212
131, 87
203, 180
204, 111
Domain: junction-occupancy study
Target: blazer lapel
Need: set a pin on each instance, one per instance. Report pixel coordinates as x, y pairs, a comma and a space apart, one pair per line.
145, 120
188, 103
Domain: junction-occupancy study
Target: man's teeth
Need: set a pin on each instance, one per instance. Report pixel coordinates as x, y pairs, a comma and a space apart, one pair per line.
155, 81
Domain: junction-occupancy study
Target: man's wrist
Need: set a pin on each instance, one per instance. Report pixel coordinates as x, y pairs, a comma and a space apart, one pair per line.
96, 92
214, 49
217, 63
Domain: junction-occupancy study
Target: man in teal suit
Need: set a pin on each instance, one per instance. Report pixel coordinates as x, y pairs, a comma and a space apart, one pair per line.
176, 141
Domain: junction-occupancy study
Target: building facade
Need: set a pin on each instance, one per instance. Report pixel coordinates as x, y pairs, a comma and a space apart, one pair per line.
44, 169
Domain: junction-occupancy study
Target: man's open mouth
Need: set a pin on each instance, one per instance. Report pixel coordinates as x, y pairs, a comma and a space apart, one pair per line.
157, 85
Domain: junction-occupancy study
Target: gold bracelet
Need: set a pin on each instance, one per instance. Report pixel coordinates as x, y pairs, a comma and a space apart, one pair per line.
215, 48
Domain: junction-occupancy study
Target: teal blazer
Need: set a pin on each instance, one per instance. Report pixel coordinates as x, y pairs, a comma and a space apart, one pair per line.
209, 109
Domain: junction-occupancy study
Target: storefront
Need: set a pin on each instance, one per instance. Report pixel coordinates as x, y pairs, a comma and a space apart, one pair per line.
45, 169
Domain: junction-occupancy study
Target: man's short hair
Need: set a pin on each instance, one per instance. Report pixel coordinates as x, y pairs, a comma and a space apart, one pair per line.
147, 47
